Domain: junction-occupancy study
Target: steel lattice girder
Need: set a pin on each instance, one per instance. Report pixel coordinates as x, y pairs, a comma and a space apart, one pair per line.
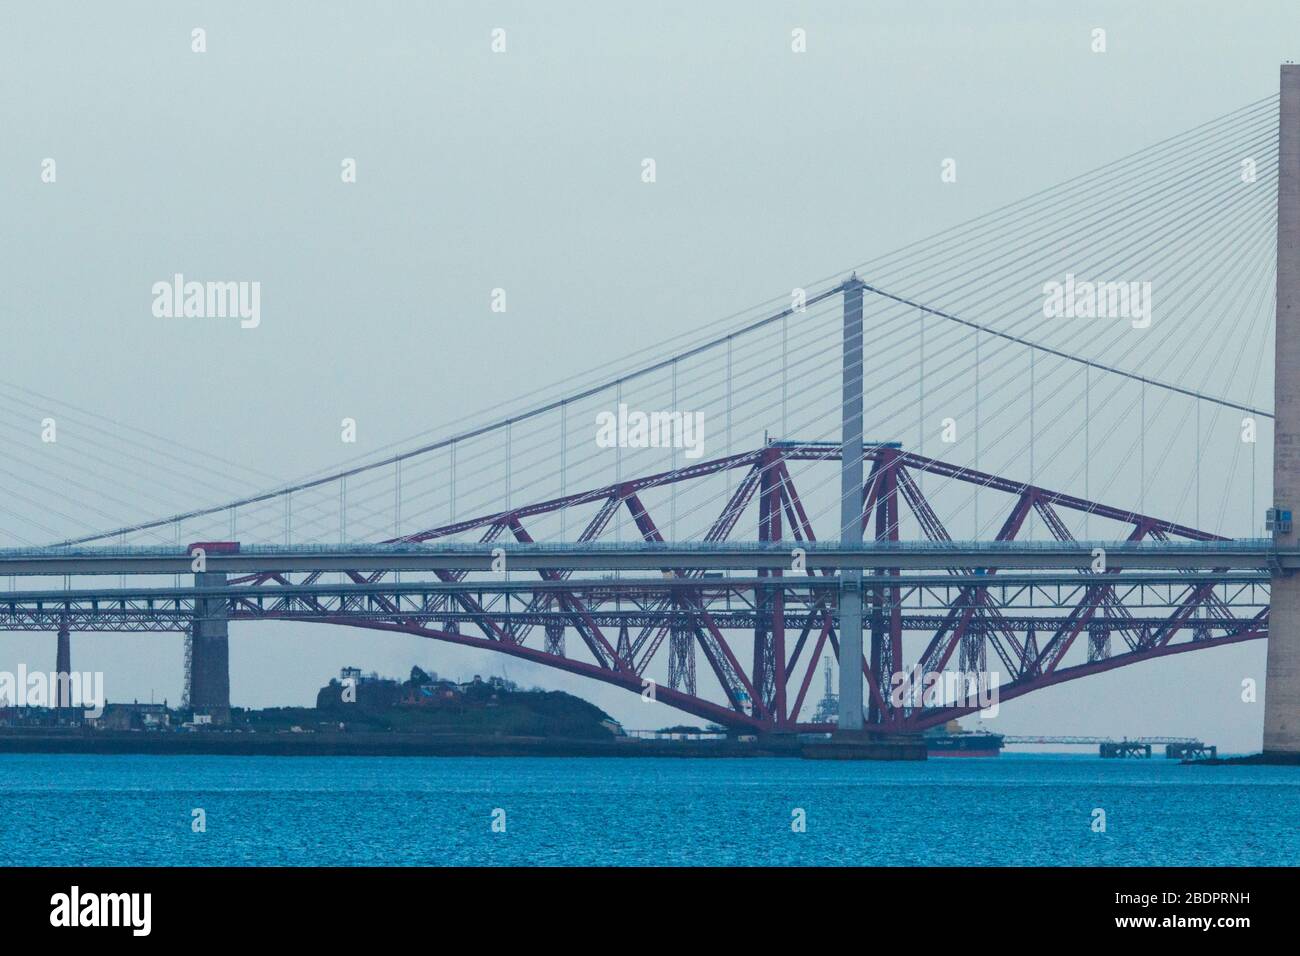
963, 606
987, 611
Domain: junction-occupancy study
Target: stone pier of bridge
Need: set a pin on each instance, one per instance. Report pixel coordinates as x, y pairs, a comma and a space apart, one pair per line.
210, 651
62, 668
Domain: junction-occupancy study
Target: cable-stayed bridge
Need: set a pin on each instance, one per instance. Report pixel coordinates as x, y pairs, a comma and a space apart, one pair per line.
1036, 445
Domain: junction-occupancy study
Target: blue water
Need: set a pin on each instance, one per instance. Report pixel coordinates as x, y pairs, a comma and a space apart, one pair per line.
1010, 810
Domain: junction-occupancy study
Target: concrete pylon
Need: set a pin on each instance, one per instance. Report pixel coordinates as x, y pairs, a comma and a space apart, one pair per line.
850, 716
63, 668
1282, 680
210, 652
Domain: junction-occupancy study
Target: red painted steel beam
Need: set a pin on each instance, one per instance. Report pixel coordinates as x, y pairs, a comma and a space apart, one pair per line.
587, 629
1026, 685
939, 651
1059, 645
726, 668
803, 530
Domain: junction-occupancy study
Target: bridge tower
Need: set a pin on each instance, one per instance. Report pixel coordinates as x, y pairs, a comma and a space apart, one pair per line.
63, 667
850, 622
209, 690
1282, 679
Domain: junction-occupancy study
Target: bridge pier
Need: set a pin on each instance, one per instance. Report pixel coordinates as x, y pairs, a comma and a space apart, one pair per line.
210, 652
1125, 748
1282, 678
850, 618
63, 668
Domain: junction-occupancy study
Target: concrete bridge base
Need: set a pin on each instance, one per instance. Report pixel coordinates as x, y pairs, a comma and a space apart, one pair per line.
62, 666
210, 653
864, 745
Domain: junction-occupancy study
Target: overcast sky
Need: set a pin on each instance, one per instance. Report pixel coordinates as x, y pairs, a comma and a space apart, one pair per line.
522, 170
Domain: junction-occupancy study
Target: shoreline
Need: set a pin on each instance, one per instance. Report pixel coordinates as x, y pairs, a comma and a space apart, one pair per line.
1252, 760
388, 744
366, 744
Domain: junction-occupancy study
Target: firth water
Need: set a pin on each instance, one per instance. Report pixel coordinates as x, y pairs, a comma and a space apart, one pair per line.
1010, 810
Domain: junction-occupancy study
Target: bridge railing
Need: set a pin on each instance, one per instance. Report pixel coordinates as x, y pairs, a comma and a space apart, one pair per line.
1260, 545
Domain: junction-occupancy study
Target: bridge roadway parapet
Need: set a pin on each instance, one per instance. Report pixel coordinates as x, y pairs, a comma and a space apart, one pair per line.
1245, 554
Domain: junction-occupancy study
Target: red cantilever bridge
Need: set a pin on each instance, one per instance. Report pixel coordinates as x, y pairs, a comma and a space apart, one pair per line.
761, 621
788, 620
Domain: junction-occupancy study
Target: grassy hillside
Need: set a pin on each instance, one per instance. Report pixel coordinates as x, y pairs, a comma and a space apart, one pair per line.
480, 708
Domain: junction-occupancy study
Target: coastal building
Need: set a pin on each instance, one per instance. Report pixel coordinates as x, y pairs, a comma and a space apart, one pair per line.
133, 716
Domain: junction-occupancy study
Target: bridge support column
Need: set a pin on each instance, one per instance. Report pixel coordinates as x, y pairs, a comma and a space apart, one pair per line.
886, 628
62, 669
850, 716
210, 654
1282, 679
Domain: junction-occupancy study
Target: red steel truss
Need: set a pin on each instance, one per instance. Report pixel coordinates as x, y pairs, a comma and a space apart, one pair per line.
761, 681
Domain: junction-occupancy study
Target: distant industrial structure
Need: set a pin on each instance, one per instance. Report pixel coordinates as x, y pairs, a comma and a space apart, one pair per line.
1176, 748
828, 708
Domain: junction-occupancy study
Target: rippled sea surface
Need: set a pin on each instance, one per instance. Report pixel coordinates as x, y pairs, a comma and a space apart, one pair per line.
1010, 810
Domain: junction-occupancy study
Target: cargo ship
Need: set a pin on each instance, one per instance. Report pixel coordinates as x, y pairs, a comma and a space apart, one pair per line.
951, 740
